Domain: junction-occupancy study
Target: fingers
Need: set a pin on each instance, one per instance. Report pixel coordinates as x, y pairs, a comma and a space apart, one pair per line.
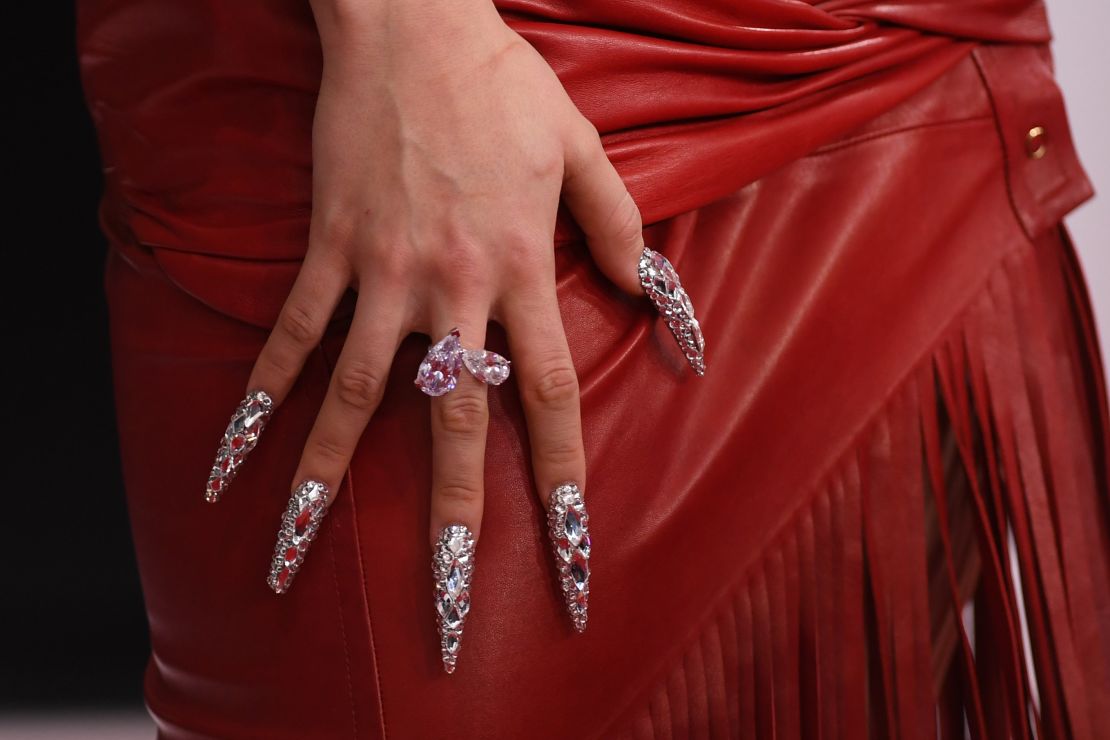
302, 321
459, 421
355, 389
552, 406
300, 325
611, 221
548, 386
604, 209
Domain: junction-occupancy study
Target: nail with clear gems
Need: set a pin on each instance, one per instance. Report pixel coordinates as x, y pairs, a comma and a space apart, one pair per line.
566, 526
452, 567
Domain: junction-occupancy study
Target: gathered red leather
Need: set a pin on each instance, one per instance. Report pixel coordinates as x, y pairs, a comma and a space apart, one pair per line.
902, 374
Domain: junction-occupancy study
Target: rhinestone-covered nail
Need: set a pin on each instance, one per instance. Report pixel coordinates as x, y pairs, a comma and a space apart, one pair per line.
239, 439
299, 525
452, 567
566, 524
660, 282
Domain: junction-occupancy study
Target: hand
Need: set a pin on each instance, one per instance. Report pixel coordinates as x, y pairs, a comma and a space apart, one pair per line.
438, 164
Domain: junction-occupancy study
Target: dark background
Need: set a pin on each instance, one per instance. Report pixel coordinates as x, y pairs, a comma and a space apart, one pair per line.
80, 636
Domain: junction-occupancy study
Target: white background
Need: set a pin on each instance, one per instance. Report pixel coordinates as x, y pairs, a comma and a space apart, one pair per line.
1082, 53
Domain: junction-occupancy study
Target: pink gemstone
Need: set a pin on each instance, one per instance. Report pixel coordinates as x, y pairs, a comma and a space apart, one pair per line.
283, 577
216, 484
290, 554
238, 441
439, 372
488, 367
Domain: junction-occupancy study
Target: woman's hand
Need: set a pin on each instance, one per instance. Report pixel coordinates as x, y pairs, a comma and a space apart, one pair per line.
439, 157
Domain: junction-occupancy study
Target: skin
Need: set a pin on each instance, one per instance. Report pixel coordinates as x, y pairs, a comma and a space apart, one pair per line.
438, 162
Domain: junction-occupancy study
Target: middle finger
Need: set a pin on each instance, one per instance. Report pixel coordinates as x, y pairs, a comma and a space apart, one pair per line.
459, 421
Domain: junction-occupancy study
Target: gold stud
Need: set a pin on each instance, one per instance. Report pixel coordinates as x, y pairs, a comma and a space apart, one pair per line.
1034, 142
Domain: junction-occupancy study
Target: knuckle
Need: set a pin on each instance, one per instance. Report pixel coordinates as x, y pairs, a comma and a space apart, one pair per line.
391, 264
586, 141
627, 224
525, 258
555, 387
561, 453
332, 231
466, 492
463, 414
359, 386
549, 164
328, 452
461, 268
273, 363
297, 323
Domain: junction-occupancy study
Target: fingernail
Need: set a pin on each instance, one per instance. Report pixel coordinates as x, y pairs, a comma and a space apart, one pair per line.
660, 282
299, 525
566, 524
452, 566
239, 439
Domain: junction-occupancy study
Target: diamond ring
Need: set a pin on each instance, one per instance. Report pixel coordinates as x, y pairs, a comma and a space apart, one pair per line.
439, 371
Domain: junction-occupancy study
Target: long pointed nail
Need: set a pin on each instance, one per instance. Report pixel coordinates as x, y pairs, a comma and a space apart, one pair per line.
660, 282
566, 524
299, 525
239, 439
452, 566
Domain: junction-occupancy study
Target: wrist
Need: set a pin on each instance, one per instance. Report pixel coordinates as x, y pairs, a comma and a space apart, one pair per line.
377, 25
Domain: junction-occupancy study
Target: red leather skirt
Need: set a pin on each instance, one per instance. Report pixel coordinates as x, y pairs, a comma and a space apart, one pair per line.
884, 510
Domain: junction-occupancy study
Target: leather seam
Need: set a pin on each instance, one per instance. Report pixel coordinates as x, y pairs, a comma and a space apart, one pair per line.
366, 598
365, 594
339, 605
863, 138
343, 635
1007, 162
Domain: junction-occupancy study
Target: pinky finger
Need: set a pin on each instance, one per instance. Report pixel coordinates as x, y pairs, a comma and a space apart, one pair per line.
302, 321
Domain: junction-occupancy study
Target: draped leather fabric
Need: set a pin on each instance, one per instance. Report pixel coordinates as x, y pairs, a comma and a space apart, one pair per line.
904, 420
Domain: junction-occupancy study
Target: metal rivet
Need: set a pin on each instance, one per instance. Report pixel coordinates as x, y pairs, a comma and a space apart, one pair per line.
1034, 142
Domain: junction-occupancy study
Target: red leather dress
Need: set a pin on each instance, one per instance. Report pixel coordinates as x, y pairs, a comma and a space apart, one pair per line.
883, 512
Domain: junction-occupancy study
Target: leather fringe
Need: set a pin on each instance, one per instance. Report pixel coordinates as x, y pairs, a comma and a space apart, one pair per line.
950, 575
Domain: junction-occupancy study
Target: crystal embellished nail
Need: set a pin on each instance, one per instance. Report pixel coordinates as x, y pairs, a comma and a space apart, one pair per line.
299, 525
439, 371
660, 282
239, 439
452, 566
566, 524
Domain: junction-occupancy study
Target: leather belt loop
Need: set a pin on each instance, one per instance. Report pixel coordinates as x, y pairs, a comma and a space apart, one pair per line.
1043, 172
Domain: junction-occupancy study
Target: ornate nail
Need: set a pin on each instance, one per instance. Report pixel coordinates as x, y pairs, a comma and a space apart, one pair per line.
566, 525
660, 282
239, 439
299, 525
452, 566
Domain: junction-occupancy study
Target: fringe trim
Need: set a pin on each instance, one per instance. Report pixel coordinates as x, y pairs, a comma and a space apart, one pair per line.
950, 576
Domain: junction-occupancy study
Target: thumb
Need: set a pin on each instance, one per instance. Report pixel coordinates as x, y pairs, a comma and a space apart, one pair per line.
602, 206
